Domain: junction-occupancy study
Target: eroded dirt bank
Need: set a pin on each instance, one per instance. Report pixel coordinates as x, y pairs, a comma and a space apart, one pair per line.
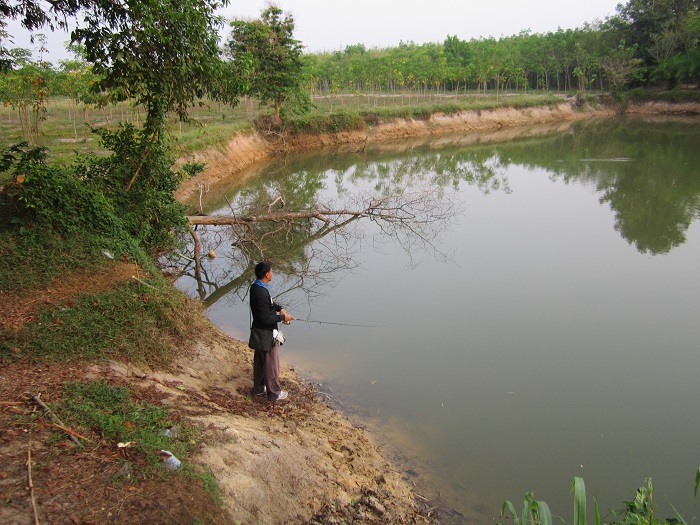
293, 462
283, 462
243, 151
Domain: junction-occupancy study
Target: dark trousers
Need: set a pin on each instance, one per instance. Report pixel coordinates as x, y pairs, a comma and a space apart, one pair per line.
266, 372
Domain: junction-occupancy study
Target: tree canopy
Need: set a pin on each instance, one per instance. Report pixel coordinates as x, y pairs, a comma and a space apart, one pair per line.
647, 41
162, 54
268, 48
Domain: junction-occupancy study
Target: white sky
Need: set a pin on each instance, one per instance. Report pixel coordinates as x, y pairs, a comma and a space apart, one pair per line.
328, 25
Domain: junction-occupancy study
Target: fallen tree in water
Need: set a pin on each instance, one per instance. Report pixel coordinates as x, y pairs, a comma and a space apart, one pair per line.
415, 217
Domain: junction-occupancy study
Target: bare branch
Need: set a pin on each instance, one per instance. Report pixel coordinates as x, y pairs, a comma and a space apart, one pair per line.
311, 246
232, 220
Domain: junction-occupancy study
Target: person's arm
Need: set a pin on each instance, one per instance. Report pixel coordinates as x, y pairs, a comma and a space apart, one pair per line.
287, 318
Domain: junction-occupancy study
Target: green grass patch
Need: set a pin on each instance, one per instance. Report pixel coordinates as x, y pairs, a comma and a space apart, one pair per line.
110, 412
674, 96
327, 123
360, 113
194, 137
135, 322
34, 256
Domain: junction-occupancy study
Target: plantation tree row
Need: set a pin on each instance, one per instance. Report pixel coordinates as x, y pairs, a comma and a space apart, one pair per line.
646, 42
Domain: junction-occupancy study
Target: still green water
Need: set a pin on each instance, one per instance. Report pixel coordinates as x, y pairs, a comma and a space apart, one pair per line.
553, 334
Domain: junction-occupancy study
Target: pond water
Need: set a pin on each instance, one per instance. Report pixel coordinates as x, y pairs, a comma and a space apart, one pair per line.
553, 333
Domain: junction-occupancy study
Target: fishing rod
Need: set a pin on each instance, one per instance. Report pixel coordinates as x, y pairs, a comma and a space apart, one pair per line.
341, 324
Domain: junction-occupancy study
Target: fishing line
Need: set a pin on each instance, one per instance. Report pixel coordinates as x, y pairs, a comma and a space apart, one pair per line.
343, 324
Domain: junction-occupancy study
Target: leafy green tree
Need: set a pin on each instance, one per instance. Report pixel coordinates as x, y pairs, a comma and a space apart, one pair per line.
267, 49
660, 28
457, 56
26, 88
621, 66
483, 63
164, 55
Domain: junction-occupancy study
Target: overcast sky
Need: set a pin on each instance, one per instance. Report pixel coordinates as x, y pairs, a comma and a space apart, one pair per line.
329, 25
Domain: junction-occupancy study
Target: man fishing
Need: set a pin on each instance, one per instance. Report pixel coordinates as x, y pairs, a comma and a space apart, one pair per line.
266, 314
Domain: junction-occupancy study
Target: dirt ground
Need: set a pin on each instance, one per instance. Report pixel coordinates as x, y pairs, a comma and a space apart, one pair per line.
293, 461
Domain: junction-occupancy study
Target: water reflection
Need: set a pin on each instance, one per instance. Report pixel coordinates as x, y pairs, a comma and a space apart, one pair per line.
648, 175
409, 200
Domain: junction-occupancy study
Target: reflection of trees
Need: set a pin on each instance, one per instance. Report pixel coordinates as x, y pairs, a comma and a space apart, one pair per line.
311, 231
297, 270
304, 259
647, 174
653, 210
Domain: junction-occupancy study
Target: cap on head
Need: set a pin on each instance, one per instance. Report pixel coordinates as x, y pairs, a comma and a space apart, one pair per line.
262, 268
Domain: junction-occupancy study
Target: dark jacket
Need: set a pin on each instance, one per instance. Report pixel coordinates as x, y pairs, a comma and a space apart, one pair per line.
264, 310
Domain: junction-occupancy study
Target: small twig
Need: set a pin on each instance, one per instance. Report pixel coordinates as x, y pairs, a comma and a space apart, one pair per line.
71, 432
142, 282
272, 204
229, 204
31, 485
55, 418
11, 403
201, 192
183, 256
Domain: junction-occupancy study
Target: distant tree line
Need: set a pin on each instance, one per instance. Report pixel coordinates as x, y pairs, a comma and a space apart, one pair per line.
648, 42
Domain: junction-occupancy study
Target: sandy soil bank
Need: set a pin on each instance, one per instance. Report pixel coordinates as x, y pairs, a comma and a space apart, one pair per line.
283, 462
243, 151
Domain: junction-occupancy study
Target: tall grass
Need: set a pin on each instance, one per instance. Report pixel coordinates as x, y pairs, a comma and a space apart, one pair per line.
638, 511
